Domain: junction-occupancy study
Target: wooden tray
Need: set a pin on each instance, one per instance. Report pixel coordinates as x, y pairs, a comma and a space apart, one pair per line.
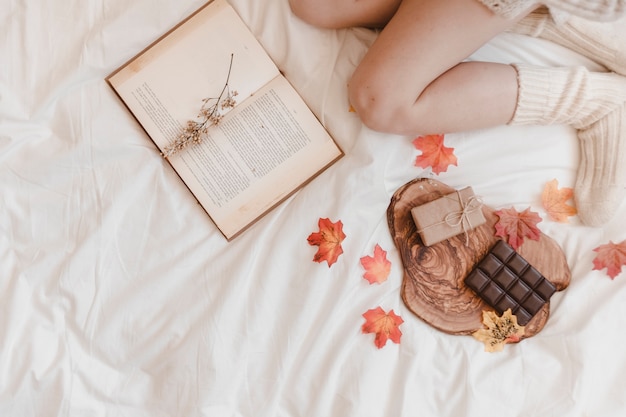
433, 287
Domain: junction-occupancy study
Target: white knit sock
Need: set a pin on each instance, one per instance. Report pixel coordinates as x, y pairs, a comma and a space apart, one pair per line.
602, 42
593, 103
601, 179
570, 96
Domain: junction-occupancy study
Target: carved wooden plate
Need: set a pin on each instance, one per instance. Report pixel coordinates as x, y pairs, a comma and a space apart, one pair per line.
433, 287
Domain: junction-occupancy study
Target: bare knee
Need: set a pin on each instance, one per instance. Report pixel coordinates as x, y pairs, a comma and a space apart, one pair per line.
387, 109
335, 14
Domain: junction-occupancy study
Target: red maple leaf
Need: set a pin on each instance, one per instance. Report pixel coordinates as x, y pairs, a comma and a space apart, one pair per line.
554, 200
329, 240
386, 326
377, 268
611, 256
434, 154
517, 226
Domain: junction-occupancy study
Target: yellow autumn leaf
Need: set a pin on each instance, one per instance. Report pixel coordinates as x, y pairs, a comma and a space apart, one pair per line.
499, 330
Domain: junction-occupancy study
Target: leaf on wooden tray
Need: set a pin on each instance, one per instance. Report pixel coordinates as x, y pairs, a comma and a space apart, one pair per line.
514, 227
384, 325
329, 240
499, 330
434, 153
611, 256
377, 267
554, 201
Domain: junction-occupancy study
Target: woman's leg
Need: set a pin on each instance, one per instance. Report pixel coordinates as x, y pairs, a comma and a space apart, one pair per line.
345, 13
412, 79
411, 82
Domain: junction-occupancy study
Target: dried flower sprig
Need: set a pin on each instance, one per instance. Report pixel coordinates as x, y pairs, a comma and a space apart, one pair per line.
210, 114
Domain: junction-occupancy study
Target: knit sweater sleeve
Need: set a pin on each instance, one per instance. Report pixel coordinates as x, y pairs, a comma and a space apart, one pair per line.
588, 9
591, 9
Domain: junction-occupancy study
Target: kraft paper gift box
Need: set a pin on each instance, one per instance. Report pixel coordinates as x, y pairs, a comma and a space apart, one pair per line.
448, 216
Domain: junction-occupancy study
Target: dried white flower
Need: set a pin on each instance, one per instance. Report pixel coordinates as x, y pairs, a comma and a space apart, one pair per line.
209, 115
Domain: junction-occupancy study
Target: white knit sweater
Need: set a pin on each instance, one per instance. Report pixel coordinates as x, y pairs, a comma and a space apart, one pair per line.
588, 9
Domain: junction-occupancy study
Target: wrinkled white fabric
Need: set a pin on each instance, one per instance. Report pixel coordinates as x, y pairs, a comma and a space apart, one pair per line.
118, 296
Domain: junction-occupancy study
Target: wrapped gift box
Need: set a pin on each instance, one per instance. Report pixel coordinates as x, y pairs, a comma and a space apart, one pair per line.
448, 216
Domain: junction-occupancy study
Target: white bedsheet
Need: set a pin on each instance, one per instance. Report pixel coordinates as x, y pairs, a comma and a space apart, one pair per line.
118, 296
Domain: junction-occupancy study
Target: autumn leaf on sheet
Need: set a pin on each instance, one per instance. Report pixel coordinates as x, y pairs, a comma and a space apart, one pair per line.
434, 153
554, 201
514, 227
499, 330
384, 325
329, 240
611, 256
377, 267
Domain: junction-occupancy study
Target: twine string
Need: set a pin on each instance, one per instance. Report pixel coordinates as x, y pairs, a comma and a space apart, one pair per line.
462, 217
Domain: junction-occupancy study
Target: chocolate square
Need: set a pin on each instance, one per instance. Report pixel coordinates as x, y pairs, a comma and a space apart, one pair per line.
506, 302
492, 293
522, 315
517, 265
519, 291
504, 279
490, 265
532, 277
533, 303
545, 289
481, 280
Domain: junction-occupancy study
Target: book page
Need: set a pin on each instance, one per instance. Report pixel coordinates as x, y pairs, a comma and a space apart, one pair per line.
164, 86
265, 148
256, 156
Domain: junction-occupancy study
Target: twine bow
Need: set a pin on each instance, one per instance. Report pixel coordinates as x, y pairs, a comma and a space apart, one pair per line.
462, 217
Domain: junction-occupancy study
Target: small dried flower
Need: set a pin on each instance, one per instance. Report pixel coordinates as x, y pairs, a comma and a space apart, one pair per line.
209, 115
229, 102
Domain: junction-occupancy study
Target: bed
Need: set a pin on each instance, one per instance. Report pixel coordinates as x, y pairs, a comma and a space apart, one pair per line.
119, 297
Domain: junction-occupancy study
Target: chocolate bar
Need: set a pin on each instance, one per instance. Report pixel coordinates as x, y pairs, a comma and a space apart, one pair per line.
504, 279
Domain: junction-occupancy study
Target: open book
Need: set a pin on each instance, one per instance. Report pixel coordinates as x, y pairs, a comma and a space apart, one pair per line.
266, 146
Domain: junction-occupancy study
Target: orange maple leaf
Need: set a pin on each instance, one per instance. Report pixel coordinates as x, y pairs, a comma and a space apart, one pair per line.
517, 226
329, 240
386, 326
377, 268
554, 199
611, 256
434, 154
